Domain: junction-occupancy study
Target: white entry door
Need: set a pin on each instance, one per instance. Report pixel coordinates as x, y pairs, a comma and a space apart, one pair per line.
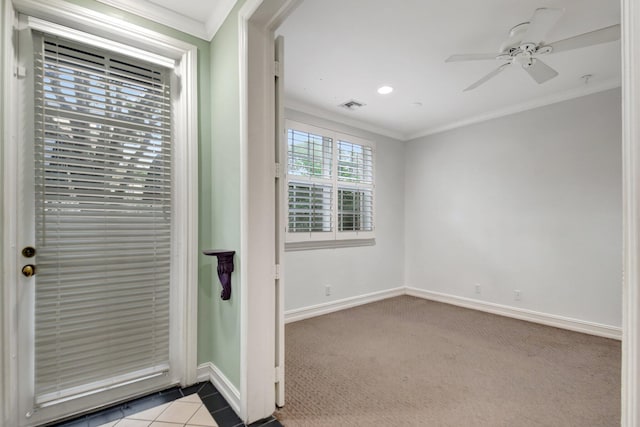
95, 223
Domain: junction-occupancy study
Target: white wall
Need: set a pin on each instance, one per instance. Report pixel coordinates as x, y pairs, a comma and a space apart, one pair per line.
355, 271
530, 201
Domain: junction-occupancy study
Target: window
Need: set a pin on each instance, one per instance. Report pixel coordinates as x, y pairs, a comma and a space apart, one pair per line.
330, 181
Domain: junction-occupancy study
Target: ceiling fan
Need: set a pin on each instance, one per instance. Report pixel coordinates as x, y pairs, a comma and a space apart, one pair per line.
526, 44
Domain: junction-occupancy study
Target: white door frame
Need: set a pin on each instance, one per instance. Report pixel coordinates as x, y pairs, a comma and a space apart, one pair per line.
281, 216
631, 212
254, 63
257, 21
116, 31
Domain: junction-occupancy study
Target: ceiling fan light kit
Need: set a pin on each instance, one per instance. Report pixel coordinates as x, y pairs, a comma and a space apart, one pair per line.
525, 44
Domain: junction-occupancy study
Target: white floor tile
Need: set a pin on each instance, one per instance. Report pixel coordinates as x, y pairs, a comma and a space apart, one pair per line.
192, 398
127, 422
163, 424
150, 414
188, 411
202, 417
178, 412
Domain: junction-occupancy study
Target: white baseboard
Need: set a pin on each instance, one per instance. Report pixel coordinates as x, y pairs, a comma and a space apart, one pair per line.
210, 372
522, 314
330, 307
561, 322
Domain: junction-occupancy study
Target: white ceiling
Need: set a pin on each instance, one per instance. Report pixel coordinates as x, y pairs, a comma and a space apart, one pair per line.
338, 50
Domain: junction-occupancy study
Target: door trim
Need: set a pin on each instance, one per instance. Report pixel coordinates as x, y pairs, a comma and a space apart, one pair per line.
281, 219
631, 212
186, 182
257, 21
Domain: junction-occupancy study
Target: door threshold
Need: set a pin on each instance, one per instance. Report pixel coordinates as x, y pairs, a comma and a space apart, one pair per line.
214, 402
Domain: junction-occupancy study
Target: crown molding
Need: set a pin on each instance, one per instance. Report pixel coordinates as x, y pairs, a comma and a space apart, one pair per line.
156, 13
327, 115
221, 10
518, 108
164, 16
513, 109
103, 26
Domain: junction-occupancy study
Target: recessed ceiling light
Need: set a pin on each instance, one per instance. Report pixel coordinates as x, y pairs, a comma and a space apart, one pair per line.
385, 90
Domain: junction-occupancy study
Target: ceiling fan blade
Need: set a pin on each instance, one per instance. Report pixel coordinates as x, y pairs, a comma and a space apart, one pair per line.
470, 57
540, 24
603, 35
515, 37
488, 77
540, 71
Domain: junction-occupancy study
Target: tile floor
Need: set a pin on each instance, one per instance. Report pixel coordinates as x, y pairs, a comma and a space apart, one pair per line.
187, 411
176, 407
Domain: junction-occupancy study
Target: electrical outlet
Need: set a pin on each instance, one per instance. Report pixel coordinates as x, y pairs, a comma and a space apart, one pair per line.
477, 288
517, 295
327, 290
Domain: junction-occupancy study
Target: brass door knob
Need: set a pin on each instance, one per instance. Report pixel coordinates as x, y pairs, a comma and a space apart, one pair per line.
29, 270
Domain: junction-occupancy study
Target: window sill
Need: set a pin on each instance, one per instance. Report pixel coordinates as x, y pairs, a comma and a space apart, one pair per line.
328, 244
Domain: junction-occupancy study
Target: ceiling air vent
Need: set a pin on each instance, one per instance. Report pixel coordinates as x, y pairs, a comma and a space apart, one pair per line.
352, 105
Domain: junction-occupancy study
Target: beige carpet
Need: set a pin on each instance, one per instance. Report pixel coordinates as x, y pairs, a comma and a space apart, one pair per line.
410, 362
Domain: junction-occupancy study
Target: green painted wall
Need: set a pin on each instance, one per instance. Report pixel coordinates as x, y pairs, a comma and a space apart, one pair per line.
224, 316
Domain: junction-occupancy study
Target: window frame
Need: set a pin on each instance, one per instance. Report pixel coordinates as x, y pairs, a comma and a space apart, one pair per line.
335, 237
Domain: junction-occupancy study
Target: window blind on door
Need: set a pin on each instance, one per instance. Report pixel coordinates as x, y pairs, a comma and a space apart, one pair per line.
103, 179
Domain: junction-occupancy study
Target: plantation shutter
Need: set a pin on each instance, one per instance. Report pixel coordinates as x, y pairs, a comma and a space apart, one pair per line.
310, 207
330, 177
355, 187
309, 155
310, 169
103, 174
355, 163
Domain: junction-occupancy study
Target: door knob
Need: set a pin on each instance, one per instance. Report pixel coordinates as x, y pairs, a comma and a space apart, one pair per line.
29, 270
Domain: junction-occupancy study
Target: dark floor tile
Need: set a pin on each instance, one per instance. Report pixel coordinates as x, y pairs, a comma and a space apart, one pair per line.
104, 417
207, 390
171, 391
226, 418
143, 403
192, 389
266, 422
78, 422
169, 396
215, 402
